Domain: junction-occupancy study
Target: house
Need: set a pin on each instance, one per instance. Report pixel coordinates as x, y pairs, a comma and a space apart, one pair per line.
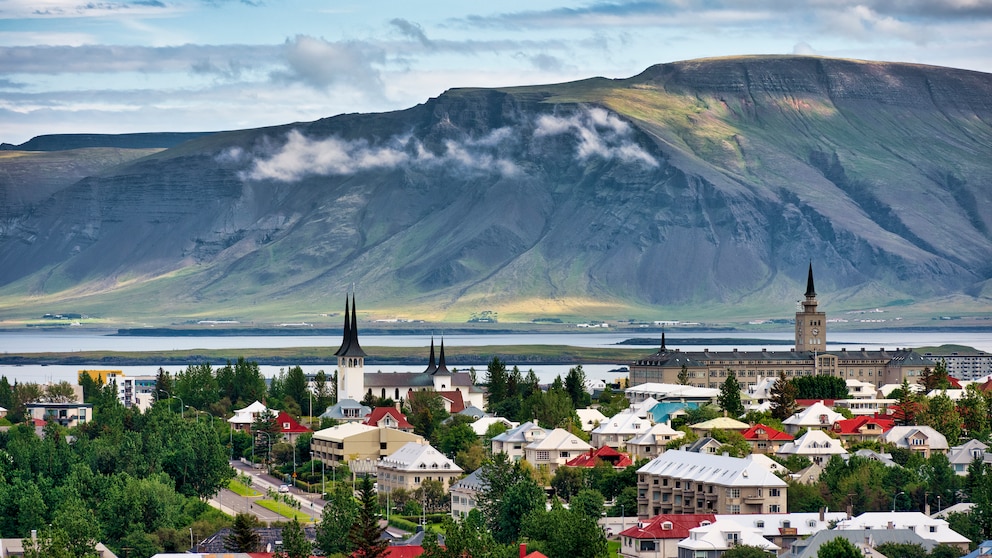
705, 445
474, 412
962, 455
66, 414
14, 548
615, 431
659, 536
412, 464
453, 401
481, 426
932, 529
922, 439
984, 549
289, 428
590, 419
720, 423
814, 444
679, 481
555, 449
765, 439
388, 417
270, 538
465, 494
244, 418
865, 539
671, 392
132, 391
818, 416
862, 429
512, 441
653, 442
864, 453
605, 454
784, 529
355, 442
347, 410
3, 412
711, 541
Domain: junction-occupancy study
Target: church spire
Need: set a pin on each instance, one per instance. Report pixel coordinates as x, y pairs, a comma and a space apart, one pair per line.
344, 334
810, 291
442, 368
432, 365
663, 349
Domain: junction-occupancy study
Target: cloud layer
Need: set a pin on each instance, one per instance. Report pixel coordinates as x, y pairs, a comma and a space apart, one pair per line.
596, 134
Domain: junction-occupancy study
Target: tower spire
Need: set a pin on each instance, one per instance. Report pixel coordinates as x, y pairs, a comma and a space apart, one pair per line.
432, 365
663, 349
344, 334
442, 368
810, 291
354, 349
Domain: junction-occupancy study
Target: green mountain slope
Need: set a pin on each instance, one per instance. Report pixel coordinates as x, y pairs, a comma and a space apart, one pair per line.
705, 185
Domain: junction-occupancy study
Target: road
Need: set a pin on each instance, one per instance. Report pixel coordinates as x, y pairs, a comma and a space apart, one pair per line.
231, 503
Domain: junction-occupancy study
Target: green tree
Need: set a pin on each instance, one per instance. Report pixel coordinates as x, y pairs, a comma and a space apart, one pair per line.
426, 412
730, 396
294, 542
366, 533
747, 551
321, 393
496, 381
783, 398
163, 384
567, 482
974, 411
838, 547
902, 550
551, 409
575, 386
589, 503
455, 435
611, 402
941, 414
909, 402
243, 536
340, 513
562, 532
684, 375
297, 386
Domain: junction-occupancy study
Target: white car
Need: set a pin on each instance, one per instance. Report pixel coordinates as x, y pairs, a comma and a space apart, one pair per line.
283, 488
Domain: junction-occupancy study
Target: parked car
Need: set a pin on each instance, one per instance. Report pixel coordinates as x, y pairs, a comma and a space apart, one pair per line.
283, 488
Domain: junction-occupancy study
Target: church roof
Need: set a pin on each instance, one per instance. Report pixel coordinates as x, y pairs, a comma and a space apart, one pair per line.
432, 365
349, 344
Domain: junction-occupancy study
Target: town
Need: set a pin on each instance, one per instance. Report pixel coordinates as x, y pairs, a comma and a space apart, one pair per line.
696, 454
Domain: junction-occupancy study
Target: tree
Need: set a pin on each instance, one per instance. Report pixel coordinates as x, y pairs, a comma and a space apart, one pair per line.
901, 550
747, 551
730, 396
455, 435
567, 482
783, 398
296, 386
521, 499
321, 393
562, 532
294, 542
941, 414
496, 380
365, 535
551, 409
163, 383
937, 378
974, 410
243, 537
426, 412
589, 503
611, 402
575, 385
839, 547
61, 392
909, 402
340, 513
684, 375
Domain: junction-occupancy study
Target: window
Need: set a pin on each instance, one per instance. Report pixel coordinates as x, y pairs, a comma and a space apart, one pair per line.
543, 455
733, 509
774, 492
733, 493
416, 479
563, 454
732, 538
774, 508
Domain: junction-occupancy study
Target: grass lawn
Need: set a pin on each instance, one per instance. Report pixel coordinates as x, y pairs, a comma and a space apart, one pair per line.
241, 489
284, 510
613, 548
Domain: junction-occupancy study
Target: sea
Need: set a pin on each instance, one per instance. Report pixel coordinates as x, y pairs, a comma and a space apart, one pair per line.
80, 341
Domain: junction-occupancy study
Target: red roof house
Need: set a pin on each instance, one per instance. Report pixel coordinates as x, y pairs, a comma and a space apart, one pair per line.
289, 427
453, 401
660, 536
862, 428
606, 454
388, 417
765, 439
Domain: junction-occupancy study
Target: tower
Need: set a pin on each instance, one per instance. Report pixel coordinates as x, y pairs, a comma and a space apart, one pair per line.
811, 326
351, 358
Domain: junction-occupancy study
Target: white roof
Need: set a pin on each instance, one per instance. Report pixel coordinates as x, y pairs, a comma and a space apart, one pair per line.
769, 463
342, 431
886, 389
526, 432
715, 469
672, 391
482, 425
805, 523
813, 442
628, 421
656, 434
898, 434
919, 522
816, 414
560, 439
589, 418
716, 536
247, 414
952, 394
414, 457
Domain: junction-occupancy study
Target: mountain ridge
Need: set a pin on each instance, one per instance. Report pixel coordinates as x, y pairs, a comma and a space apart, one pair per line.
693, 184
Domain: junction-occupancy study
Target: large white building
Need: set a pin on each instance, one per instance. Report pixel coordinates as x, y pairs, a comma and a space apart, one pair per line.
412, 464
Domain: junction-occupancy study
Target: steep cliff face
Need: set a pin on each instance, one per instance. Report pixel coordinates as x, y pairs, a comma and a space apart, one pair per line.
695, 183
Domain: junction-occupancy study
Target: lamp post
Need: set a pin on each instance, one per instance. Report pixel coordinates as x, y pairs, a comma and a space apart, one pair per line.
894, 496
623, 519
181, 404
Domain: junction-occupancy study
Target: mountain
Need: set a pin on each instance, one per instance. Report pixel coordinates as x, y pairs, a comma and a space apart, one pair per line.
694, 188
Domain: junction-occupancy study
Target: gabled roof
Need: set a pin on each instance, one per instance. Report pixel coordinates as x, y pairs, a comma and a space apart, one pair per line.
604, 454
853, 426
413, 456
559, 439
760, 432
899, 434
817, 414
482, 425
656, 434
627, 421
813, 442
668, 526
473, 411
715, 469
526, 432
720, 423
288, 425
455, 399
473, 482
336, 411
380, 413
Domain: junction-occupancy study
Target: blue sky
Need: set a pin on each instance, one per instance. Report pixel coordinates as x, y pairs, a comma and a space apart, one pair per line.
116, 66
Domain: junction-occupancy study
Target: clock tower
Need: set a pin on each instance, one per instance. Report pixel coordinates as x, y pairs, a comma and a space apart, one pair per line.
811, 326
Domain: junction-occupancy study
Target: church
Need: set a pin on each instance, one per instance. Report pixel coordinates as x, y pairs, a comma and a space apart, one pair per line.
355, 383
808, 357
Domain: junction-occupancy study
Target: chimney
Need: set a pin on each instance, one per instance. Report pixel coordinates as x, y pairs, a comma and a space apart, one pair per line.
523, 550
891, 525
823, 513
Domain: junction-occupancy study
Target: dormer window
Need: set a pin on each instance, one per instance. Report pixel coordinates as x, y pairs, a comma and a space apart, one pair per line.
666, 526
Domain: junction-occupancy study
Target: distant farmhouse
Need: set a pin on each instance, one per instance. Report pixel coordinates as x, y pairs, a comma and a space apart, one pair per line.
809, 357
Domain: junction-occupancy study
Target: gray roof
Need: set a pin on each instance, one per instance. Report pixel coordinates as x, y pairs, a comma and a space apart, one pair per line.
336, 411
809, 548
471, 482
713, 469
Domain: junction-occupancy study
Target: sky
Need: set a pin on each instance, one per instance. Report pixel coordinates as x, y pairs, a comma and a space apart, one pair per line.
121, 66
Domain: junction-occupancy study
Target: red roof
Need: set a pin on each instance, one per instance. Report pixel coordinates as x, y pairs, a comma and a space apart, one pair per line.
955, 383
380, 413
761, 432
987, 386
404, 551
853, 426
457, 401
535, 554
288, 425
605, 453
668, 526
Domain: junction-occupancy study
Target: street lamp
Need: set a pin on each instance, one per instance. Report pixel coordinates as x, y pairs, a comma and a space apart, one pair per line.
894, 500
181, 404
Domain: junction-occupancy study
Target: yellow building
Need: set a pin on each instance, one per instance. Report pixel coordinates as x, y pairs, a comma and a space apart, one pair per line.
358, 445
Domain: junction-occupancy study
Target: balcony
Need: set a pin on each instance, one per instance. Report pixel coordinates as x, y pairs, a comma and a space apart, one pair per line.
754, 499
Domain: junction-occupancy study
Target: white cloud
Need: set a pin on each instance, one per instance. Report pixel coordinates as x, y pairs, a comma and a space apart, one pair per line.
600, 134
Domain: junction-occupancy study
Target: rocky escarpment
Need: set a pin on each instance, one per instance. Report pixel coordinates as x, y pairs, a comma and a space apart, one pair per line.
695, 183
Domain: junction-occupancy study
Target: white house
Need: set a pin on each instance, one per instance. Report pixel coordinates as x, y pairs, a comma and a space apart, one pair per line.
554, 449
815, 417
711, 541
814, 444
937, 530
